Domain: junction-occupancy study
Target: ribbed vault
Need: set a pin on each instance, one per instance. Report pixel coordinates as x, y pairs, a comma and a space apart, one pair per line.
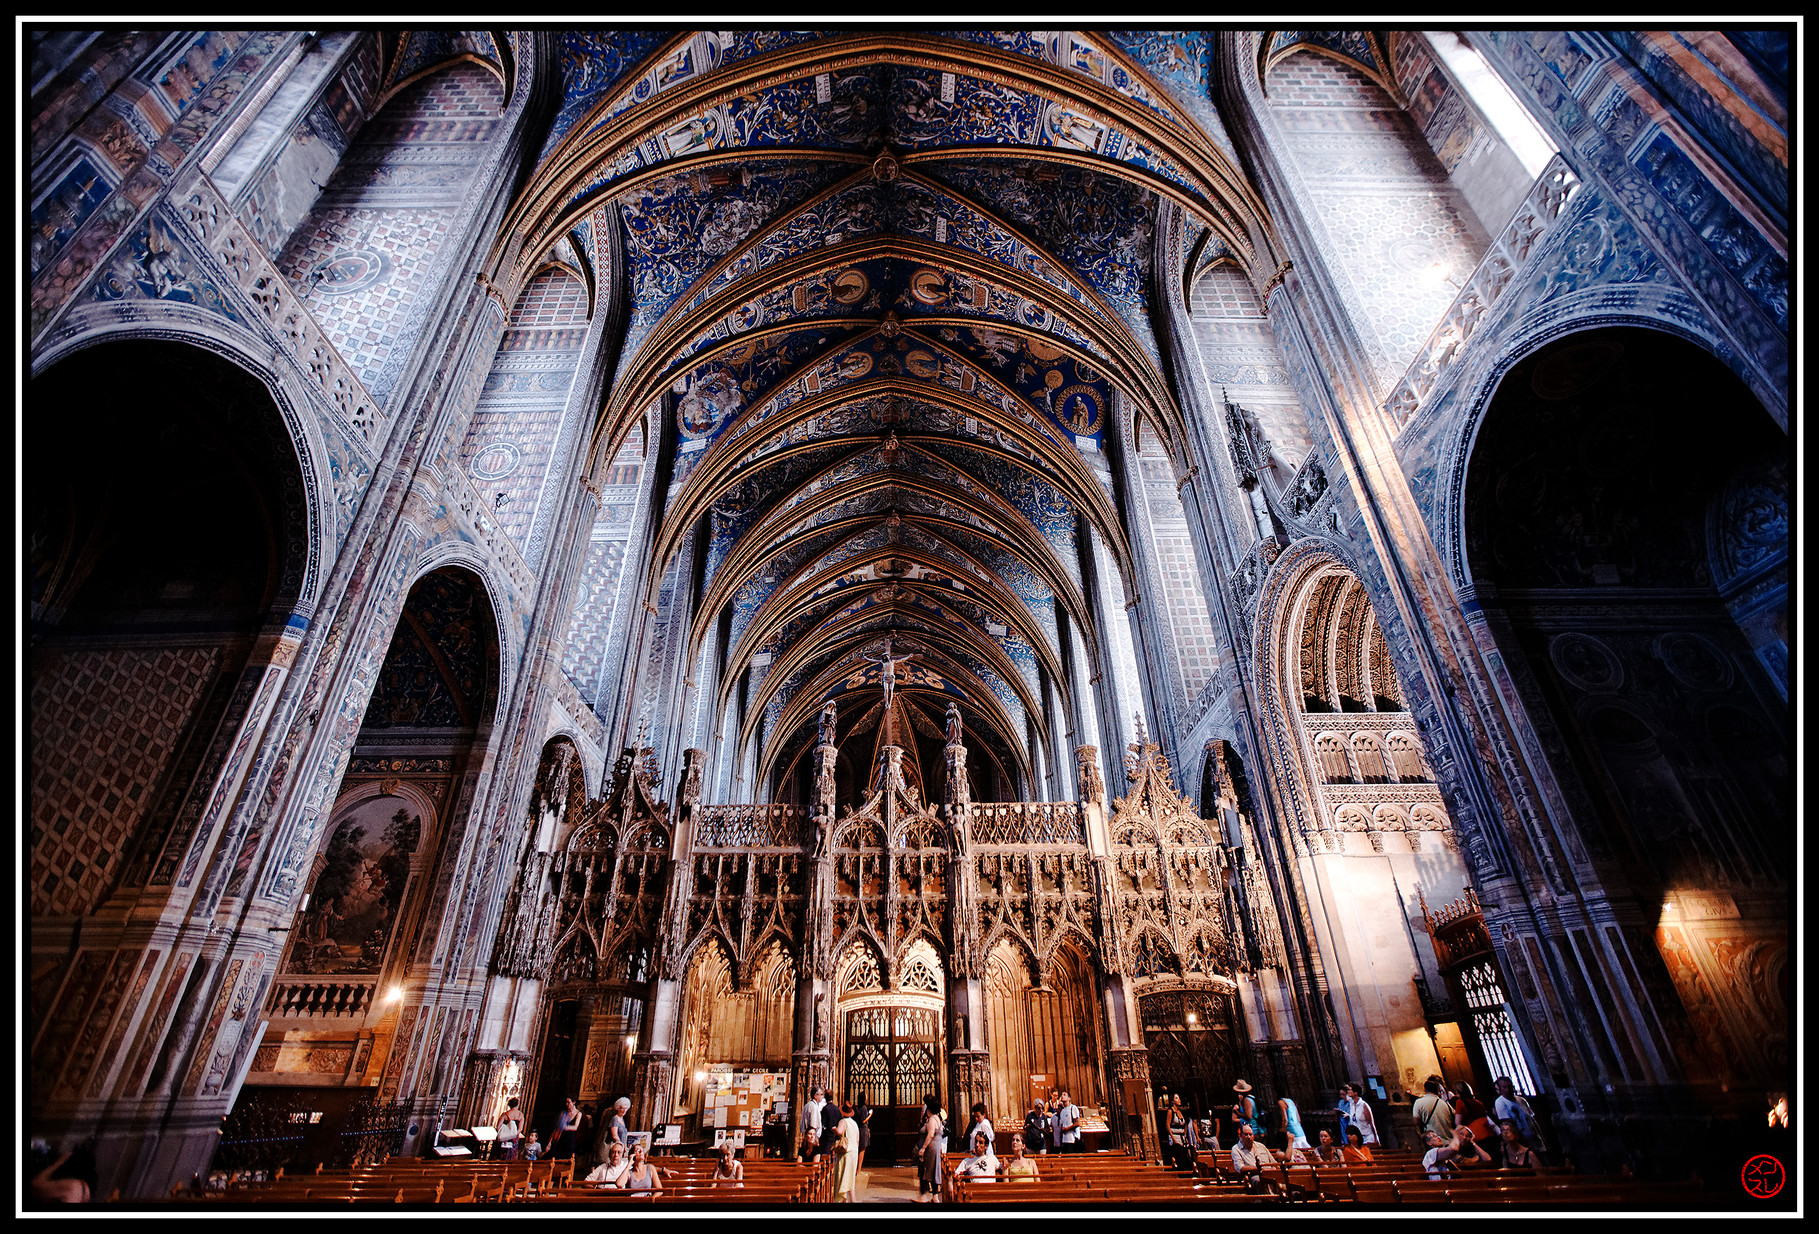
890, 293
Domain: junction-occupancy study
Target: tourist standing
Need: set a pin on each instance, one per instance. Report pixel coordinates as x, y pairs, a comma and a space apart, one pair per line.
1291, 1123
1432, 1113
1036, 1127
980, 1123
1180, 1140
1244, 1110
616, 1130
846, 1154
862, 1114
510, 1124
1067, 1124
809, 1143
567, 1123
1512, 1106
928, 1153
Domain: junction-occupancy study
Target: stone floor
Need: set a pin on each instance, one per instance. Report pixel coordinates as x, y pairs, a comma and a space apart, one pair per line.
887, 1185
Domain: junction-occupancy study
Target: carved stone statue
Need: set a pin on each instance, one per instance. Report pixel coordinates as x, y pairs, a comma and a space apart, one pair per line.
953, 723
691, 777
1086, 760
820, 1021
828, 714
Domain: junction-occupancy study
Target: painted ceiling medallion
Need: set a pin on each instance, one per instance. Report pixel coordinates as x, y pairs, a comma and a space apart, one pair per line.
348, 270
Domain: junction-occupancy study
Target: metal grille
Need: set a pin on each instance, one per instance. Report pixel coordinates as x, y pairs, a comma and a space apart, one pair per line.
769, 826
891, 1053
868, 1072
916, 1071
1028, 822
1496, 1031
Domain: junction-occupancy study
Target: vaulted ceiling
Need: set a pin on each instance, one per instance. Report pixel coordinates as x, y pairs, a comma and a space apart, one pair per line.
892, 295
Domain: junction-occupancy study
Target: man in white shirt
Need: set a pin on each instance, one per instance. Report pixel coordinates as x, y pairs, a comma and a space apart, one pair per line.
1357, 1112
1067, 1124
1510, 1107
811, 1125
1249, 1157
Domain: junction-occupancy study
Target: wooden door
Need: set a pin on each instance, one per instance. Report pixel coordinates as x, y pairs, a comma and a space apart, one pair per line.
893, 1060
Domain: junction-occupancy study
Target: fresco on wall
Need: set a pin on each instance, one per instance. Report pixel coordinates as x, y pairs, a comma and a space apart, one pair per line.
355, 900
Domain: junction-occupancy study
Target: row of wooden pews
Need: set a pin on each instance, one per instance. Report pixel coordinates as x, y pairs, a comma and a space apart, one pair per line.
1397, 1178
1099, 1178
412, 1180
401, 1180
690, 1181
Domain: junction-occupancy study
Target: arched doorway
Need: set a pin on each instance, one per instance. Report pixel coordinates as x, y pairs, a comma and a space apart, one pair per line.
728, 1027
891, 1045
166, 528
1040, 1028
343, 984
1625, 517
1192, 1037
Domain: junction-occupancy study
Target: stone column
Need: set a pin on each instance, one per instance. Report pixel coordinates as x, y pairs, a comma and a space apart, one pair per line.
811, 1062
1133, 1105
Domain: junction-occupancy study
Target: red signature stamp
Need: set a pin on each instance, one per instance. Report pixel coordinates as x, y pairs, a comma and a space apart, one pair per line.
1763, 1176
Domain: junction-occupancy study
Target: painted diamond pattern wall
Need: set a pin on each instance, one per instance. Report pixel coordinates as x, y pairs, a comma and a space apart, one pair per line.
93, 779
367, 251
1399, 227
519, 414
1196, 655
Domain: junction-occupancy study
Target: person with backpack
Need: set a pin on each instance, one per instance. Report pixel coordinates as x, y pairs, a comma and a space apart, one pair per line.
1036, 1126
1432, 1113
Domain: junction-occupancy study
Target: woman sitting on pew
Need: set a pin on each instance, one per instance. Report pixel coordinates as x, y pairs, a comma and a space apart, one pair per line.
613, 1169
1355, 1147
1019, 1166
642, 1176
729, 1171
1326, 1150
982, 1164
1517, 1155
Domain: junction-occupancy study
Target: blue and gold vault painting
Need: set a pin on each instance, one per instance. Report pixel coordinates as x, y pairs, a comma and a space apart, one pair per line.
862, 336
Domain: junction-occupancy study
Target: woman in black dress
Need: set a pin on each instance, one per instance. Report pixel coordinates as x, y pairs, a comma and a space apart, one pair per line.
862, 1114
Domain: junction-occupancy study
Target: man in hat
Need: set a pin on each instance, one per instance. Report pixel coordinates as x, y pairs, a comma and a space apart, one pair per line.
1244, 1110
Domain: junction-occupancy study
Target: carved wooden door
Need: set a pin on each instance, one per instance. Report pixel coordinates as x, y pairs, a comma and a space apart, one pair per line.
893, 1061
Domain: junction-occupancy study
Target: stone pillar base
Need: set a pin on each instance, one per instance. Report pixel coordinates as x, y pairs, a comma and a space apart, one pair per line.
653, 1089
1132, 1100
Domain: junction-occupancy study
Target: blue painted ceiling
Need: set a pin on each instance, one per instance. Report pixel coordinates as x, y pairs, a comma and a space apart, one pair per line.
895, 301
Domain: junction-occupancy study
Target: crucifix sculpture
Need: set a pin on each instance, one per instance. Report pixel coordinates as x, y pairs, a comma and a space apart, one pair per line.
887, 675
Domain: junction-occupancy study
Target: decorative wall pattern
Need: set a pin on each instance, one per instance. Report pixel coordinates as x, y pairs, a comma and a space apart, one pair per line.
1241, 358
104, 726
507, 454
1383, 200
366, 252
145, 130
